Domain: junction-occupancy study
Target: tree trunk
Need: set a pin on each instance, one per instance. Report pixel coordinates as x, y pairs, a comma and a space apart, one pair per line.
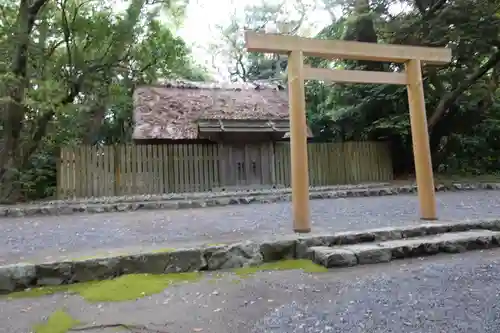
14, 109
363, 30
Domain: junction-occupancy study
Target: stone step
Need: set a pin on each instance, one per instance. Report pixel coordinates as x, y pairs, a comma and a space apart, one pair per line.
379, 252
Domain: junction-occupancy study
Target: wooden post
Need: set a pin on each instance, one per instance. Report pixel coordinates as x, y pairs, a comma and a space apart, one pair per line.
116, 157
59, 168
420, 138
298, 143
272, 162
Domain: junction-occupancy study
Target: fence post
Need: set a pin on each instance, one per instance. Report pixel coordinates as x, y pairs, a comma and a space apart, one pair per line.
59, 182
116, 153
272, 160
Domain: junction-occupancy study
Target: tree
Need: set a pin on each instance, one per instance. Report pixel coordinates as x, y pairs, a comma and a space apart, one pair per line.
68, 70
279, 16
460, 97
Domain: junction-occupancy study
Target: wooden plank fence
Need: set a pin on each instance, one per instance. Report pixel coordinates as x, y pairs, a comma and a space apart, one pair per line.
92, 171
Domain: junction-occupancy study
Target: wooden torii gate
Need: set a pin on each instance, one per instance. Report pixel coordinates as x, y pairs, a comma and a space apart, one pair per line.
412, 56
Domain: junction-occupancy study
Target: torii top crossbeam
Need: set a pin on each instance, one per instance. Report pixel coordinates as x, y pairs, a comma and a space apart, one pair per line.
337, 49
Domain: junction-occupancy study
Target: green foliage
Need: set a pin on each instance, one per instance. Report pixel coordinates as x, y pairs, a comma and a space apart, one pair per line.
462, 111
77, 68
460, 98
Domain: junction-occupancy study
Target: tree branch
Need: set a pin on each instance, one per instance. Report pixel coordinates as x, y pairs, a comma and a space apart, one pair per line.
450, 98
36, 6
5, 15
434, 8
33, 11
131, 328
43, 121
423, 5
53, 48
67, 36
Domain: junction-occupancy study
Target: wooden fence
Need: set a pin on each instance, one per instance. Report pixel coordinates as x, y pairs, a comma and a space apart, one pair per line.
91, 171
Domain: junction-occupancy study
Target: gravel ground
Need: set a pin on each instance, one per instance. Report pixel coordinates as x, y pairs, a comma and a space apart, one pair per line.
442, 294
38, 238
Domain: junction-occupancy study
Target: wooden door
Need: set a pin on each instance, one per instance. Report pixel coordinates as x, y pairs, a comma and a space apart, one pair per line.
238, 165
253, 165
244, 165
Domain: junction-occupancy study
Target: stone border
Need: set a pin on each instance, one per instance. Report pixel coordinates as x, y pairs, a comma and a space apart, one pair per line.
201, 195
160, 201
209, 258
225, 199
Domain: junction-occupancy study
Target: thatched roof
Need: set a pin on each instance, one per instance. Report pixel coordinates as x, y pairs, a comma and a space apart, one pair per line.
171, 110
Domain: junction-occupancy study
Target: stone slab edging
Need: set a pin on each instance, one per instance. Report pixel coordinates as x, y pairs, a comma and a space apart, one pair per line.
211, 200
161, 201
228, 256
203, 195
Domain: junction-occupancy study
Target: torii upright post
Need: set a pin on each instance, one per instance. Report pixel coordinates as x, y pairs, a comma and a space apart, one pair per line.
420, 139
298, 143
298, 47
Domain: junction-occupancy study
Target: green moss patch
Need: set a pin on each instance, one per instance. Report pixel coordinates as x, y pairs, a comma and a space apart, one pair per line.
164, 250
58, 322
300, 264
37, 292
130, 287
123, 288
